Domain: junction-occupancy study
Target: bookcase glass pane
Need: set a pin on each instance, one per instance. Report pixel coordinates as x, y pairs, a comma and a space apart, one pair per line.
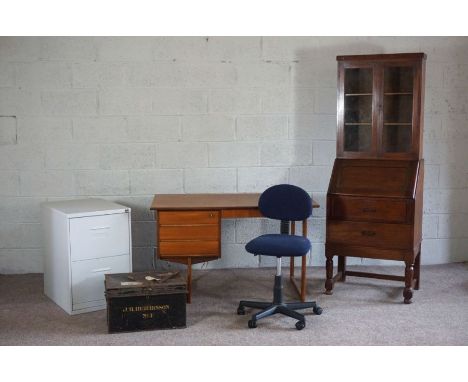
358, 80
357, 138
398, 108
398, 79
358, 109
397, 138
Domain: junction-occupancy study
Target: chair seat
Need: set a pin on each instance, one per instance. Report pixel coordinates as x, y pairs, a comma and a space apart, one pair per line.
279, 245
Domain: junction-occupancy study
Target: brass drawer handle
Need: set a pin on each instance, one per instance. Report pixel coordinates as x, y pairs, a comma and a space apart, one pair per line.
211, 214
369, 210
368, 233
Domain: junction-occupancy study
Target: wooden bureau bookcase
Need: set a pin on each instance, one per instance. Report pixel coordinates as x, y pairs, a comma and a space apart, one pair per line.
375, 196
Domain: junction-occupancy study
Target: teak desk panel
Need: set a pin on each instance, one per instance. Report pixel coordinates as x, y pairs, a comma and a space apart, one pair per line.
188, 228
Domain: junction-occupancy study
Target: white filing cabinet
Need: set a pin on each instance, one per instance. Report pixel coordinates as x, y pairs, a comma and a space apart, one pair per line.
84, 240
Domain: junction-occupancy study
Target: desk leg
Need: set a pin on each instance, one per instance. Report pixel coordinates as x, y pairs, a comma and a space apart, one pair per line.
189, 280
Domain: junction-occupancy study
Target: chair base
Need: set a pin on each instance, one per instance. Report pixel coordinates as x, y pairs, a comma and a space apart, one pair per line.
277, 306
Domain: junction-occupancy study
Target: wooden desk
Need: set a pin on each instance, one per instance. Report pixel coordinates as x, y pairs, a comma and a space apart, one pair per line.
188, 228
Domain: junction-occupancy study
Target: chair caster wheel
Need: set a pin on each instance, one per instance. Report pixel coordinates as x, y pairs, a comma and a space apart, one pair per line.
240, 311
317, 310
300, 325
252, 324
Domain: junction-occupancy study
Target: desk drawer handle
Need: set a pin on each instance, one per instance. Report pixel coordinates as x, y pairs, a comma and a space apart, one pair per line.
211, 214
369, 210
368, 233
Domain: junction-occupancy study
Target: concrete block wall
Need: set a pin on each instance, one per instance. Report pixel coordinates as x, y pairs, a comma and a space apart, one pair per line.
124, 118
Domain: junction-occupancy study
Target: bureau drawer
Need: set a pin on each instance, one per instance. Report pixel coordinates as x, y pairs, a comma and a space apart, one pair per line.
93, 237
396, 236
189, 248
88, 277
188, 232
368, 209
188, 217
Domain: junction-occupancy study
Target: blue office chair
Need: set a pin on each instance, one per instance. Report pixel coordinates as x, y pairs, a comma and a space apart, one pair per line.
287, 203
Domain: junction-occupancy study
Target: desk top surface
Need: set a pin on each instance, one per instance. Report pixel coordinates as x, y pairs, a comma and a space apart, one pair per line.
207, 201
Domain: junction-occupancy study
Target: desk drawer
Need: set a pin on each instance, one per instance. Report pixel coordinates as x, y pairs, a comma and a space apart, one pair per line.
368, 209
188, 232
396, 236
188, 217
189, 248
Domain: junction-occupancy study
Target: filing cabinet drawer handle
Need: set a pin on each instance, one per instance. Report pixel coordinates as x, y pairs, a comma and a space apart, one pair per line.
368, 233
98, 228
101, 270
369, 210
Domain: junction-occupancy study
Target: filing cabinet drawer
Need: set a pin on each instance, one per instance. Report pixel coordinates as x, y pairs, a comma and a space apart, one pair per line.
396, 236
192, 232
92, 237
188, 217
368, 209
189, 248
88, 277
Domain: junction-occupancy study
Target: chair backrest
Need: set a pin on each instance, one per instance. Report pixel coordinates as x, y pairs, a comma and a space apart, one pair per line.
285, 202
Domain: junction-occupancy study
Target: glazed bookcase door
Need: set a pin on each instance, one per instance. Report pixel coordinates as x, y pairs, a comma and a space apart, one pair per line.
356, 111
398, 130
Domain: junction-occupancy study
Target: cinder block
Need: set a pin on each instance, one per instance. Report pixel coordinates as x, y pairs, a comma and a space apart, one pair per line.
277, 100
303, 100
72, 156
258, 179
9, 184
150, 182
263, 74
435, 74
154, 128
40, 130
441, 251
8, 130
100, 129
237, 100
182, 155
262, 127
234, 256
315, 178
442, 201
455, 75
142, 259
325, 101
96, 75
179, 101
430, 226
14, 102
317, 73
129, 101
207, 180
124, 48
321, 199
312, 126
208, 128
126, 156
431, 176
324, 152
248, 229
25, 260
18, 49
7, 74
22, 157
433, 130
20, 235
233, 154
20, 210
69, 102
140, 206
286, 153
450, 226
436, 101
43, 75
143, 234
68, 48
455, 126
180, 49
228, 231
234, 48
454, 175
317, 258
101, 182
48, 183
456, 100
316, 230
287, 48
